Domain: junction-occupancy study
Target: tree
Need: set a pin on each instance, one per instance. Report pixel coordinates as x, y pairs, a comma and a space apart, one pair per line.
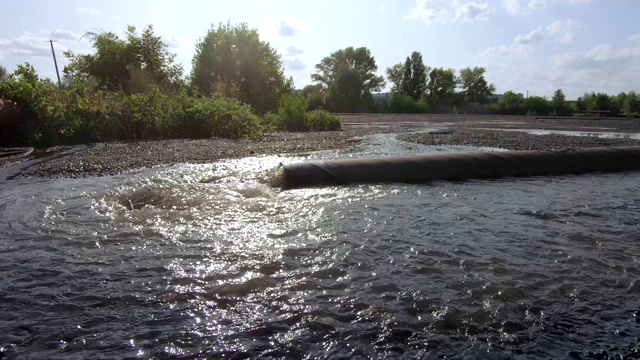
559, 102
597, 101
441, 86
349, 77
395, 75
4, 74
415, 76
510, 104
474, 86
347, 93
631, 106
130, 65
314, 96
410, 78
536, 105
231, 59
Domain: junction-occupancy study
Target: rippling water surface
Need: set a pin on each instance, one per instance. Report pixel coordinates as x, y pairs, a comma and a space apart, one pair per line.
210, 261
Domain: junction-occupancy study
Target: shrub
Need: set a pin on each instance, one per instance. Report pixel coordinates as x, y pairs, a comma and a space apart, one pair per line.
270, 121
322, 120
315, 101
217, 116
293, 113
405, 104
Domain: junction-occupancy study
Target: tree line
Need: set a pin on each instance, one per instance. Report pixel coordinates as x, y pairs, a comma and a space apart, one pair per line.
346, 80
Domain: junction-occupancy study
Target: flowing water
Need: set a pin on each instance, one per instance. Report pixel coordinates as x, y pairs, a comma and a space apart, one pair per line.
209, 261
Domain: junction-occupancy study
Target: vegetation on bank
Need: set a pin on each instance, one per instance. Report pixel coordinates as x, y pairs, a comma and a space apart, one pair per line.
417, 88
131, 89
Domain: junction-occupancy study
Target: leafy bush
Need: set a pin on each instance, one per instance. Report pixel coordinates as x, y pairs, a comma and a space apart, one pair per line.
216, 116
77, 115
322, 120
293, 113
401, 103
315, 101
270, 121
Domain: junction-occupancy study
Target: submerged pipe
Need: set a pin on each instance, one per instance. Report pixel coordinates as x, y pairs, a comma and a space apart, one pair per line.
459, 166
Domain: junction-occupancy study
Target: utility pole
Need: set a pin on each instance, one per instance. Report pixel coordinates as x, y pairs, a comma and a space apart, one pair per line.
54, 61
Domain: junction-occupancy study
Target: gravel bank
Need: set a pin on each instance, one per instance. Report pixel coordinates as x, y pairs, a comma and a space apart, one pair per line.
512, 140
117, 157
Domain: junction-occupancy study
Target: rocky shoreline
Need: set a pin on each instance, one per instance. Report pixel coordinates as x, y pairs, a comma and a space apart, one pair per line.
112, 158
513, 140
117, 157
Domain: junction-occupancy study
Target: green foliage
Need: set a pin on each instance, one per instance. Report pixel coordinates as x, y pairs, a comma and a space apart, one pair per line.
348, 76
474, 86
270, 121
322, 120
631, 104
314, 96
315, 101
293, 113
214, 116
598, 101
536, 105
233, 61
559, 102
441, 86
410, 78
395, 74
510, 104
79, 115
402, 103
347, 93
131, 65
415, 76
4, 74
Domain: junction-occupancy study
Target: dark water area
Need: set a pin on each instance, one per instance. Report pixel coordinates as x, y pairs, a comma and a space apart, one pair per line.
209, 261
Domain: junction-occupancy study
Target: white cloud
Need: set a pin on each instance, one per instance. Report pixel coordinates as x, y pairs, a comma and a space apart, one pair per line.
563, 31
531, 37
429, 12
294, 65
524, 6
60, 34
441, 11
283, 26
635, 37
285, 29
473, 11
293, 51
600, 56
538, 4
560, 31
89, 11
501, 53
175, 40
37, 44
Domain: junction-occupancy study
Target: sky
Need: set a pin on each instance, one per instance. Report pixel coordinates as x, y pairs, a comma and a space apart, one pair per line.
526, 46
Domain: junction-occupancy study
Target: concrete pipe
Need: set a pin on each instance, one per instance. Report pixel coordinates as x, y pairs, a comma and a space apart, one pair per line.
460, 166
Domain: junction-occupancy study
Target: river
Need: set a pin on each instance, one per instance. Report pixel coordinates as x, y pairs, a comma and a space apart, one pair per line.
192, 261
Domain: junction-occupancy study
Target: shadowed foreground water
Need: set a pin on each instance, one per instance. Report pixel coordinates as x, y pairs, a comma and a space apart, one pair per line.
209, 261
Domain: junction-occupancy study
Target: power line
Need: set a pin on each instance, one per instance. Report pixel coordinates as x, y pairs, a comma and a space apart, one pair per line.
55, 62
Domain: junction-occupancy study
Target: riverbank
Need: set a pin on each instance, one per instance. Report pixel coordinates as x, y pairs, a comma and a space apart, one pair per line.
117, 157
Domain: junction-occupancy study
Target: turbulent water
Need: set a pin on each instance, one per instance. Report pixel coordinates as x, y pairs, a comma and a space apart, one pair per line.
210, 261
